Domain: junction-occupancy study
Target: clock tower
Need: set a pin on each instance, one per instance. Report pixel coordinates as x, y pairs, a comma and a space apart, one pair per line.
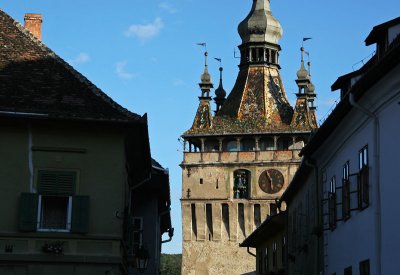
240, 160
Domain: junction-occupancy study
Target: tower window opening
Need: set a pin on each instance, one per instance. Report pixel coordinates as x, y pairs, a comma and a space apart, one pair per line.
241, 218
284, 143
230, 146
257, 215
211, 146
273, 53
209, 221
266, 55
194, 223
201, 181
273, 209
216, 187
267, 144
247, 145
225, 218
241, 184
253, 54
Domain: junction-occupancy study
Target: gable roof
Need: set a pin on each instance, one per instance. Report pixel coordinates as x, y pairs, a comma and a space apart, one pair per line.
35, 81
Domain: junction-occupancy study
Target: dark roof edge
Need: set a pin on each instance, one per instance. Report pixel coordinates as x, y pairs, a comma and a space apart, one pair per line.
373, 35
45, 117
77, 74
297, 181
248, 242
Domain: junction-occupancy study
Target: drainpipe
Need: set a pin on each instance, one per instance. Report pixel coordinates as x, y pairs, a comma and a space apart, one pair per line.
170, 230
251, 253
378, 217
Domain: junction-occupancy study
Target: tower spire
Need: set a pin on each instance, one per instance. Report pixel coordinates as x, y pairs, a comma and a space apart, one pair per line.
203, 118
219, 92
304, 113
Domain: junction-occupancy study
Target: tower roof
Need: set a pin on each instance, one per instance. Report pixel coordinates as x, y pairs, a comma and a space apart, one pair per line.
260, 25
258, 102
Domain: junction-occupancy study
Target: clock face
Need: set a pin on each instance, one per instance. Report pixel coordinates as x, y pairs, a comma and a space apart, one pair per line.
271, 181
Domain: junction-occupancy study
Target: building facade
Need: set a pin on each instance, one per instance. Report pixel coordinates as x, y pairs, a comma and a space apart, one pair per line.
349, 174
238, 162
73, 162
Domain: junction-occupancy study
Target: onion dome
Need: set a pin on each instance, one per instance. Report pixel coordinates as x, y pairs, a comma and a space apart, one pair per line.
311, 88
302, 73
205, 77
220, 92
260, 25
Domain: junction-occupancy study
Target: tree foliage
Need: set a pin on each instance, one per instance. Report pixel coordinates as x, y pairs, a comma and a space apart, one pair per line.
171, 264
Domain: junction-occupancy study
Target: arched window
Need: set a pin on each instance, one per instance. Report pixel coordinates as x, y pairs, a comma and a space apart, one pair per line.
247, 145
241, 184
266, 144
284, 143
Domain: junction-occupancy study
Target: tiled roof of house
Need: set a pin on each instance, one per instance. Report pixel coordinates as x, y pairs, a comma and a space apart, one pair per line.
35, 81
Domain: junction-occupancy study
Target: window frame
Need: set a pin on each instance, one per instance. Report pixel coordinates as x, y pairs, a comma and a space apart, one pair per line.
346, 203
363, 178
332, 204
40, 215
135, 244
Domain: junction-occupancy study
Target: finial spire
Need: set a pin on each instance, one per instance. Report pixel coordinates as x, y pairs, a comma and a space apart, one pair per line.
205, 84
302, 73
219, 92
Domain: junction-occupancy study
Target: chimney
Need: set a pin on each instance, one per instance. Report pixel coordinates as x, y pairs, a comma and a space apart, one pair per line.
33, 22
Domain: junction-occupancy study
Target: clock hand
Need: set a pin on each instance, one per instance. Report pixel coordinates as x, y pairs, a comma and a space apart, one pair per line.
270, 180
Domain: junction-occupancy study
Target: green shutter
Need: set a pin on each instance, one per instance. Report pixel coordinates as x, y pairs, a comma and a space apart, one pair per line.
80, 214
56, 182
28, 208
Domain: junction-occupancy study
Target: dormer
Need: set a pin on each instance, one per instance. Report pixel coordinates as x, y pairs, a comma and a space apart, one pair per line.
384, 36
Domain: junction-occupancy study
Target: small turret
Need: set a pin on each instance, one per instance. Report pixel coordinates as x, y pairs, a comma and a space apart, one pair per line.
220, 93
304, 114
203, 118
205, 84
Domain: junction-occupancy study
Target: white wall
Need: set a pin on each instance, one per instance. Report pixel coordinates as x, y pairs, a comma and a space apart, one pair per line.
357, 238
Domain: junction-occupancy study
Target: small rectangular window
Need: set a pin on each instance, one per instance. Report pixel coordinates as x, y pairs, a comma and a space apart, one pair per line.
209, 221
364, 267
225, 218
137, 231
363, 179
194, 220
266, 266
257, 215
54, 213
332, 204
55, 189
346, 191
201, 181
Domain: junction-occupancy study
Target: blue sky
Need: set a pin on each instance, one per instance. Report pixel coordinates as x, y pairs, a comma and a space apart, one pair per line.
144, 55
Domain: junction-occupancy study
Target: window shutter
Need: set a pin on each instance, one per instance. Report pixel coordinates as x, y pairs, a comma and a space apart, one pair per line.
80, 214
56, 182
28, 206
